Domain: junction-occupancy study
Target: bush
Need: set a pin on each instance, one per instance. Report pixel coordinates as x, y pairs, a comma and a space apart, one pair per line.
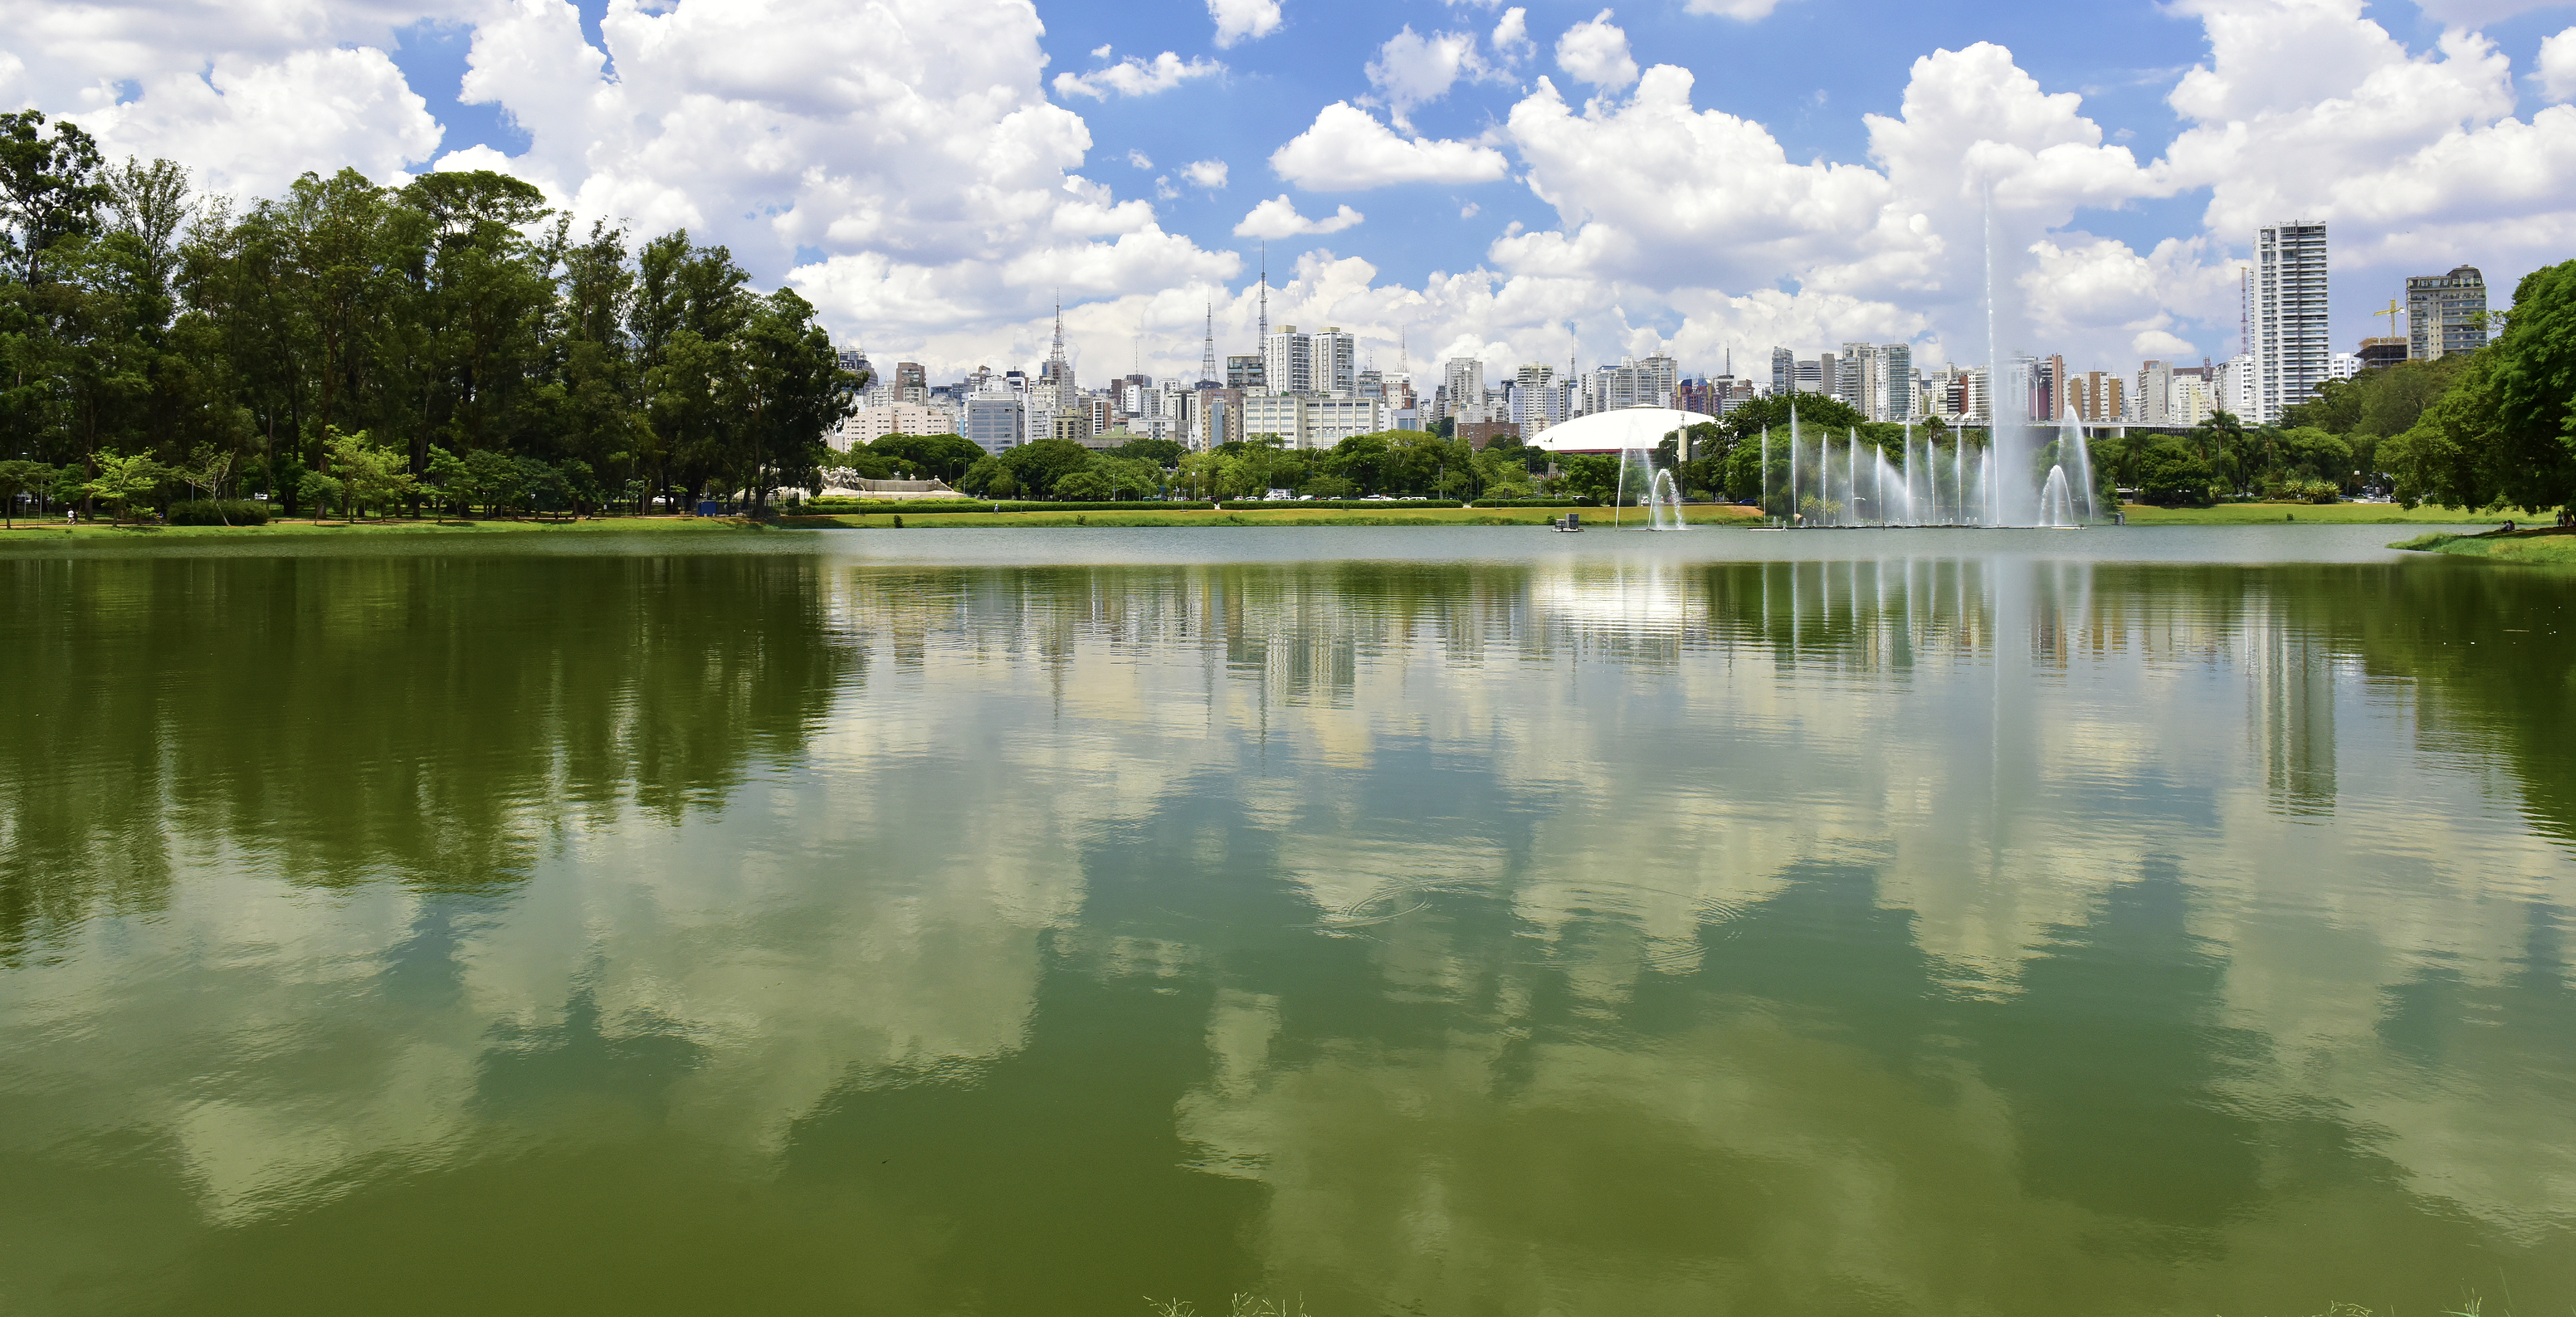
218, 512
1340, 504
834, 507
1536, 503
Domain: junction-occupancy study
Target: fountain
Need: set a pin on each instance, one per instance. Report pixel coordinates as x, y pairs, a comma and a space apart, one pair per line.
1661, 495
1856, 483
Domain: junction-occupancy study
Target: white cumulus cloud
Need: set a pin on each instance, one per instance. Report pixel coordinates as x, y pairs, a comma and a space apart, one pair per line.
1412, 69
2558, 66
1209, 174
1743, 11
1596, 51
1278, 218
1511, 38
1346, 150
1243, 20
1135, 77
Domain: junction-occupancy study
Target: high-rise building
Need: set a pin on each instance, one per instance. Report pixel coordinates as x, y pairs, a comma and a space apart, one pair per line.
1536, 401
1057, 373
2382, 353
1288, 361
1829, 378
1336, 358
1462, 389
1243, 371
2098, 397
1784, 371
1857, 379
1896, 382
2446, 313
995, 420
2153, 400
2287, 314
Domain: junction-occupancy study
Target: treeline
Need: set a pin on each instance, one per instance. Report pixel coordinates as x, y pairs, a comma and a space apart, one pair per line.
450, 343
1410, 463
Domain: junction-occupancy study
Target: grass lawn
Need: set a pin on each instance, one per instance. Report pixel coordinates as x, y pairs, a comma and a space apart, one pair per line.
2246, 514
1699, 514
2546, 544
37, 531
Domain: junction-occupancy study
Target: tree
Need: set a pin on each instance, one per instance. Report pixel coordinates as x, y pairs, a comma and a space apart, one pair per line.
1164, 453
2170, 474
2504, 434
1589, 475
319, 490
931, 456
1036, 467
122, 480
369, 476
18, 477
49, 189
1087, 485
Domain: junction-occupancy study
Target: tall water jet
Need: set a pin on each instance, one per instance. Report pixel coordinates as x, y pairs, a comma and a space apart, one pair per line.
2056, 508
1792, 518
2008, 487
2078, 461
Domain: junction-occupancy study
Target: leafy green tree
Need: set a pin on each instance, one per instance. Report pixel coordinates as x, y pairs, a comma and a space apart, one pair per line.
1037, 467
369, 476
19, 477
1589, 475
123, 480
319, 490
2171, 474
1088, 485
2505, 432
1164, 453
49, 190
931, 456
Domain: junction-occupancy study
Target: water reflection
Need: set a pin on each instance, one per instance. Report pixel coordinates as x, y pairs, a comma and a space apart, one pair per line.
1900, 934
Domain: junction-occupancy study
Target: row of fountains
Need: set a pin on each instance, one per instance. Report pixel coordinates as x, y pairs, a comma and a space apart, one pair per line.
1831, 481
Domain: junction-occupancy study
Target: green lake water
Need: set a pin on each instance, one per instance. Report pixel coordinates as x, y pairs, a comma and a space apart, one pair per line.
1398, 921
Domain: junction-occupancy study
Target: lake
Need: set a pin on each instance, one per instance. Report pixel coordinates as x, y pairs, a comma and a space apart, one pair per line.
1383, 921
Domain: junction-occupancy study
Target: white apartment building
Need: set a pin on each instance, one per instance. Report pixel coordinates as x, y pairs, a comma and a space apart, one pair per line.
1288, 361
2187, 401
2287, 334
1336, 358
1305, 421
2235, 390
1537, 402
869, 424
1462, 389
2152, 401
1631, 383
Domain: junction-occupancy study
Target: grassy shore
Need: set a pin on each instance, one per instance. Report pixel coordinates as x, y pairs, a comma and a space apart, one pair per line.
28, 531
2547, 544
2339, 514
1702, 514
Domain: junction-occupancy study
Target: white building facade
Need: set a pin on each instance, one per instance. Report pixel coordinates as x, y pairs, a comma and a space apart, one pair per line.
2287, 331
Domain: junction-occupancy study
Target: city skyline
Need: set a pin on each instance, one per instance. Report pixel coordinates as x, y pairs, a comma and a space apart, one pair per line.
1520, 181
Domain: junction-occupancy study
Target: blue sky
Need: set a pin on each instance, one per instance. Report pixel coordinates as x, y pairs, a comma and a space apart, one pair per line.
915, 168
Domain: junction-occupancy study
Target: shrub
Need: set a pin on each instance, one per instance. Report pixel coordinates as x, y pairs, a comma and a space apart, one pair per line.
1536, 503
1341, 505
218, 512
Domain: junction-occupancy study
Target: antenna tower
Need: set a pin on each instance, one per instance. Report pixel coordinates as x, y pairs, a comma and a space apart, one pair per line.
1207, 354
1265, 297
